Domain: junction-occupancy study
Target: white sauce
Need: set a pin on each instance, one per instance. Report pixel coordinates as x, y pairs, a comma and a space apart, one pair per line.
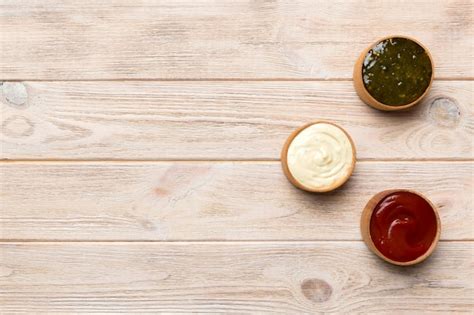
320, 156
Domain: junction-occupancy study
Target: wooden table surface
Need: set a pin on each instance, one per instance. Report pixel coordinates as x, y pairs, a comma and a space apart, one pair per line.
140, 164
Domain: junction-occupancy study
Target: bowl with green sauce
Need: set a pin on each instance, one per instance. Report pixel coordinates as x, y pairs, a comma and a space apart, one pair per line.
393, 74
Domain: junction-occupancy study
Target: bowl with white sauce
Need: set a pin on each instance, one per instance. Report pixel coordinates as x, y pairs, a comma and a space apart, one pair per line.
318, 157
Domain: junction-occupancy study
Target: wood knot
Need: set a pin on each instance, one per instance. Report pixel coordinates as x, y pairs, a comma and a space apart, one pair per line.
444, 112
5, 271
316, 290
17, 126
148, 225
15, 93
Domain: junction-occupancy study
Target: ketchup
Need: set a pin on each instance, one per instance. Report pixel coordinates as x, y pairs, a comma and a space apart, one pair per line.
403, 226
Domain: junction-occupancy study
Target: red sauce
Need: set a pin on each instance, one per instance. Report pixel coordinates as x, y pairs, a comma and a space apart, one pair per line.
403, 226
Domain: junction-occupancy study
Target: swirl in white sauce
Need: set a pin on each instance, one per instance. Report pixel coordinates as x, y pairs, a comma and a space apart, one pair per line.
320, 156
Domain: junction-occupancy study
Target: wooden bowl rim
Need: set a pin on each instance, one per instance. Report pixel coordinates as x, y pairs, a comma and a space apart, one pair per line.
365, 226
367, 97
294, 181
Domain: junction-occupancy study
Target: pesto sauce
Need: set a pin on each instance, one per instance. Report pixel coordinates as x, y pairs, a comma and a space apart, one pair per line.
396, 71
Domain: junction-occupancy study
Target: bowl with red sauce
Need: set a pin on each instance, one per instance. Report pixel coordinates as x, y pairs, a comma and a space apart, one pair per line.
401, 226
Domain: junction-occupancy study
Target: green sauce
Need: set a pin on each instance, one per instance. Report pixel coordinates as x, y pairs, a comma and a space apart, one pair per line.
396, 71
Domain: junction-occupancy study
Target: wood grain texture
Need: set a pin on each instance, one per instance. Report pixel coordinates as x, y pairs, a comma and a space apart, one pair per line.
59, 40
133, 233
213, 201
283, 278
221, 120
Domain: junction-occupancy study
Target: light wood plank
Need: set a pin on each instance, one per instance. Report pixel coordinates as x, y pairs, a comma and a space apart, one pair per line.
221, 120
213, 201
284, 278
51, 39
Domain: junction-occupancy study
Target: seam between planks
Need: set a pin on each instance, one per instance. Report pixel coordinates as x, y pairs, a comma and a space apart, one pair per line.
79, 241
223, 161
213, 79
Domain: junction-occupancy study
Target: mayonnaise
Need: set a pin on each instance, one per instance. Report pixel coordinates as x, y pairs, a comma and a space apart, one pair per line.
320, 156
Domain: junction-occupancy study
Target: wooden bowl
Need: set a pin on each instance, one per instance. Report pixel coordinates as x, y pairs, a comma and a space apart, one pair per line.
365, 227
298, 184
367, 98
